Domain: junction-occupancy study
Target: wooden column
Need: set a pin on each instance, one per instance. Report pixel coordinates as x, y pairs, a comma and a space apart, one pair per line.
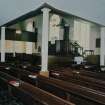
45, 32
2, 44
102, 48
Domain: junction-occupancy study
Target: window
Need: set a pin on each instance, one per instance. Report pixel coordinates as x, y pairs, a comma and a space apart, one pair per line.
98, 43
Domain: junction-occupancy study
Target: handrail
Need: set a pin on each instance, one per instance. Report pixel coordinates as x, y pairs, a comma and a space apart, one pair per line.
68, 47
88, 52
76, 48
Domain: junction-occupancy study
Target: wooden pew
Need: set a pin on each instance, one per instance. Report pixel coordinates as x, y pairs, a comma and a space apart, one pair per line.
88, 70
76, 90
25, 65
76, 77
68, 76
36, 94
97, 75
29, 67
71, 89
91, 71
69, 71
19, 73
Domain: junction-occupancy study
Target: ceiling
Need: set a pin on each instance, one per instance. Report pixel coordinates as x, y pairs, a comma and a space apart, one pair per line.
92, 10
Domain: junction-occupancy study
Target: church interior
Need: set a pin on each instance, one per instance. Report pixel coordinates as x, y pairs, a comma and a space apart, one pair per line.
49, 56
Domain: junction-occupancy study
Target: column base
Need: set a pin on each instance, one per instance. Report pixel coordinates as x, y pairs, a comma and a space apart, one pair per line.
44, 73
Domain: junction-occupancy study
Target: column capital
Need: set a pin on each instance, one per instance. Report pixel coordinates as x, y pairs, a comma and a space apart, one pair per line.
102, 28
3, 27
45, 9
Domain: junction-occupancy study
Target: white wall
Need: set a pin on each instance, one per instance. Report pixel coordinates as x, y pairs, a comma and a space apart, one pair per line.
82, 33
29, 25
86, 34
54, 31
94, 34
